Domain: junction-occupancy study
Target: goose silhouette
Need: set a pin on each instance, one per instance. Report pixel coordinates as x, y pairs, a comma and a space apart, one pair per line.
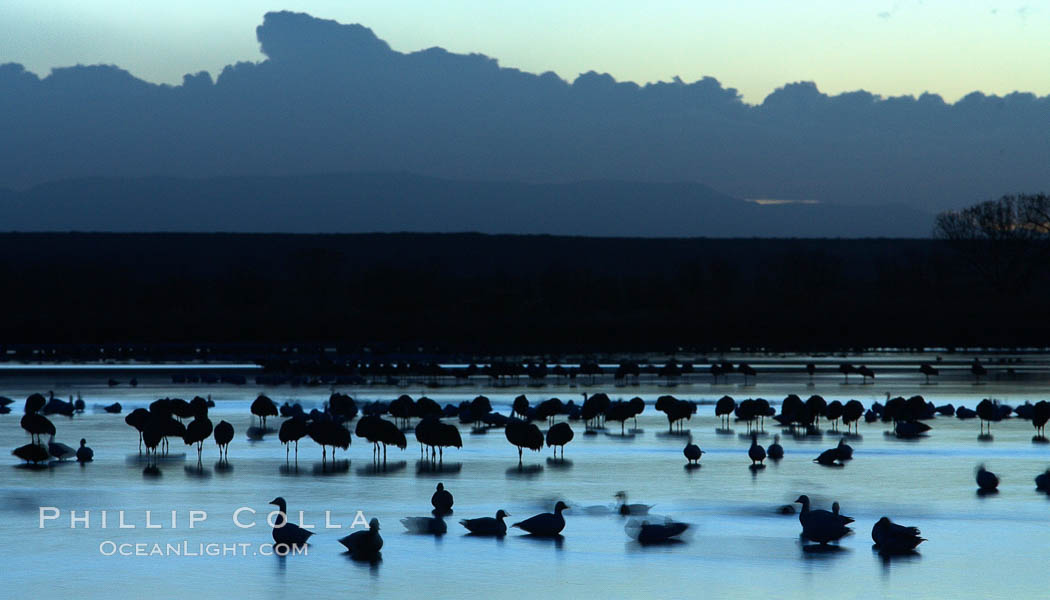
756, 453
630, 509
425, 525
822, 526
986, 480
441, 501
692, 452
891, 538
545, 524
487, 525
85, 454
59, 450
32, 453
1042, 481
647, 533
284, 532
845, 450
364, 545
775, 450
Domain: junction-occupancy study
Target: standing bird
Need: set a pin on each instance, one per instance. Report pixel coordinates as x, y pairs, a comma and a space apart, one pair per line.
891, 538
138, 419
545, 524
487, 525
284, 532
292, 430
197, 431
524, 435
775, 450
822, 526
263, 407
37, 425
692, 452
223, 437
724, 409
756, 453
364, 545
559, 435
986, 480
85, 454
442, 501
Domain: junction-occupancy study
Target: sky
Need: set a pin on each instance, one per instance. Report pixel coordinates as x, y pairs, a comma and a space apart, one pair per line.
948, 47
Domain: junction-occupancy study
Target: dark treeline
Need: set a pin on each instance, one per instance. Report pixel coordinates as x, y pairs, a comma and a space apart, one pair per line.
474, 293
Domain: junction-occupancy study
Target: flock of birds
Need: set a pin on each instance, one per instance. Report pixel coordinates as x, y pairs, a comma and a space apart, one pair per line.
188, 420
365, 545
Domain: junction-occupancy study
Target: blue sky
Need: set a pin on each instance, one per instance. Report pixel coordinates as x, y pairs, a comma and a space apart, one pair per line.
950, 47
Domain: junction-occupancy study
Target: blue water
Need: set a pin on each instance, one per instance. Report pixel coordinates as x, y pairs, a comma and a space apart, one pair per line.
738, 545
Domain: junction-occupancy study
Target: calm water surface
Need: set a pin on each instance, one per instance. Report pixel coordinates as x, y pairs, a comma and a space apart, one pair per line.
978, 547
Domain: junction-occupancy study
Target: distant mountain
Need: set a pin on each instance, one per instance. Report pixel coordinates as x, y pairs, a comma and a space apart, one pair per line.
390, 202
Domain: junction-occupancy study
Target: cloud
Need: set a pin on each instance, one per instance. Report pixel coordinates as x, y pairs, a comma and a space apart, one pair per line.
336, 98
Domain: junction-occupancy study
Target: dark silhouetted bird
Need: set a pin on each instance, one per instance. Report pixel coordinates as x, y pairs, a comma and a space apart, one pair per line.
364, 545
284, 532
822, 526
32, 453
487, 525
85, 454
545, 524
756, 453
442, 500
891, 538
559, 435
692, 452
986, 480
223, 437
775, 450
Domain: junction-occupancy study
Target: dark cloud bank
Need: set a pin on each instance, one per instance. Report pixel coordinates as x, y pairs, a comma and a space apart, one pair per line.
334, 98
